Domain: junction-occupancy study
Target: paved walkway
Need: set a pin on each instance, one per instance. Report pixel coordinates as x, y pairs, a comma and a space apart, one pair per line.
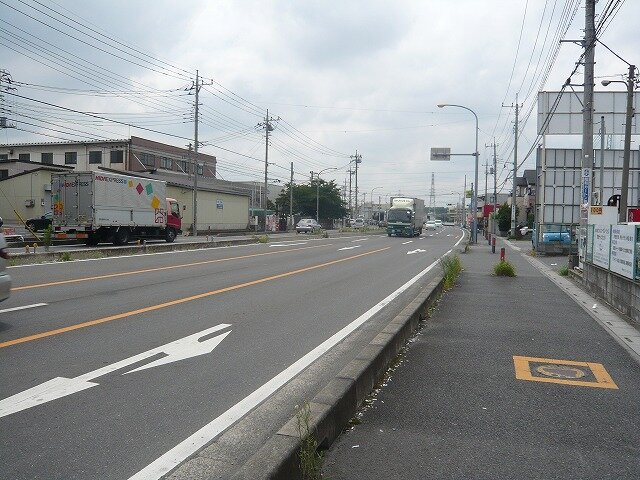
510, 379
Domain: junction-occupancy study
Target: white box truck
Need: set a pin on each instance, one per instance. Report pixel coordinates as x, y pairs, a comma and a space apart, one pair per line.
405, 217
107, 207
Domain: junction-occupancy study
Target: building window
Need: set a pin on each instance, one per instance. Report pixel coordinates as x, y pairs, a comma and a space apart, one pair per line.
70, 158
95, 156
117, 156
47, 158
4, 157
166, 163
183, 165
24, 157
4, 174
200, 169
148, 159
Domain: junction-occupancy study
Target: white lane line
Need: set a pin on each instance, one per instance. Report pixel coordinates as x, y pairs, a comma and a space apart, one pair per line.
358, 240
178, 454
24, 307
349, 248
405, 243
287, 244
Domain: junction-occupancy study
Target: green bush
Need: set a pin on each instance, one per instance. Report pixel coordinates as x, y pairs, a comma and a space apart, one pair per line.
564, 271
65, 257
47, 236
451, 267
504, 269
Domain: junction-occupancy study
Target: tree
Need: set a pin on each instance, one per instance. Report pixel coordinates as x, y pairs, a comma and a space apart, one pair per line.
504, 217
304, 200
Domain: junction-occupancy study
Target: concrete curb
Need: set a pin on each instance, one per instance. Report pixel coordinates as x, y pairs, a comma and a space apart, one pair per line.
333, 407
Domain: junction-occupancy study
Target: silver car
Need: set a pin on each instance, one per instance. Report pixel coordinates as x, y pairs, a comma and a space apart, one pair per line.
5, 279
307, 225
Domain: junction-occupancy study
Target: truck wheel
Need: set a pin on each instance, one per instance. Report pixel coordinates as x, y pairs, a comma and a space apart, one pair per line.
121, 237
92, 241
170, 236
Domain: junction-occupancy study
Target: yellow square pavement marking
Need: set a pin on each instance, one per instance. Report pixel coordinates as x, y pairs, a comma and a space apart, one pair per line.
602, 379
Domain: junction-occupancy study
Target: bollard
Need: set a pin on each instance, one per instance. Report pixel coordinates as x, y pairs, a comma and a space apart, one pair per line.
35, 245
493, 245
489, 239
502, 254
26, 248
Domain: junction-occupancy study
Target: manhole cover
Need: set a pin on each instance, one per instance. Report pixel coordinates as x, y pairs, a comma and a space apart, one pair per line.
560, 371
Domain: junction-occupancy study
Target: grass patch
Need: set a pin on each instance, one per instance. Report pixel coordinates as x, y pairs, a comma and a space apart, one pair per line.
564, 271
310, 459
261, 238
65, 257
532, 253
451, 267
504, 269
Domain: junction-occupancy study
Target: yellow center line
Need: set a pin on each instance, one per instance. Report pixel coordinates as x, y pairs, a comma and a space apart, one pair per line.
130, 313
158, 269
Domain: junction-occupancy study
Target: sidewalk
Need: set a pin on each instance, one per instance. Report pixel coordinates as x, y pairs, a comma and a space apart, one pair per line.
454, 408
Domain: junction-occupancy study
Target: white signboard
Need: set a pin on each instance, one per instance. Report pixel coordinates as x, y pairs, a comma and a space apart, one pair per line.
622, 250
601, 242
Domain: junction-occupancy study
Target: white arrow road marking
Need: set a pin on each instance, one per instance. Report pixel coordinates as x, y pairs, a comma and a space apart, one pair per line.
24, 307
287, 244
449, 235
178, 454
405, 243
417, 250
349, 248
61, 387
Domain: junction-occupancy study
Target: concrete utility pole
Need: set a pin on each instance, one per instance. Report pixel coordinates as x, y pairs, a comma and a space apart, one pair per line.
350, 194
484, 205
624, 194
267, 128
464, 203
515, 174
602, 134
495, 187
587, 120
358, 159
195, 151
291, 198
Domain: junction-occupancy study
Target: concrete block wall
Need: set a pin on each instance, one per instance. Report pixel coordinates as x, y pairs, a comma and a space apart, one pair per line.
621, 293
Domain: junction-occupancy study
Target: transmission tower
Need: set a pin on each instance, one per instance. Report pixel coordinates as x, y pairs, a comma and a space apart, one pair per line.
432, 197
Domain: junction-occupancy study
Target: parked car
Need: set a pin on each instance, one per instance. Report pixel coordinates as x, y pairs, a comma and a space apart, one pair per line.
358, 223
40, 223
430, 225
5, 279
438, 223
307, 225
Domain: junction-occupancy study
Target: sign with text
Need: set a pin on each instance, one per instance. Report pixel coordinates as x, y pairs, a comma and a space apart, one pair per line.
601, 245
622, 250
440, 154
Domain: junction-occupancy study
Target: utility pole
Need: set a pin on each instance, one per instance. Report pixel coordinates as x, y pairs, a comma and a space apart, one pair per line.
358, 159
350, 194
624, 194
484, 205
291, 198
195, 150
267, 128
464, 203
432, 197
495, 187
602, 134
515, 174
587, 122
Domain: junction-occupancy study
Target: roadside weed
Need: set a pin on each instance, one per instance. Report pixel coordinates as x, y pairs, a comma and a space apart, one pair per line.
504, 269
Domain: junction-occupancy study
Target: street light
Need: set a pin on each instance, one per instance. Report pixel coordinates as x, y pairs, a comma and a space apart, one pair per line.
372, 190
318, 191
474, 199
622, 208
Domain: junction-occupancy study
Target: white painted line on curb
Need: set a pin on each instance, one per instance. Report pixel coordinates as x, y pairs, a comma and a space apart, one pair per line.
24, 307
405, 243
349, 248
178, 454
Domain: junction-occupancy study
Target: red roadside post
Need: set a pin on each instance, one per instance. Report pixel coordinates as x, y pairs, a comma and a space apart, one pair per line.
502, 254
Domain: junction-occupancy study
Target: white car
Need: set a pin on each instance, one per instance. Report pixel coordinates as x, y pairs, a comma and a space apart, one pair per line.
430, 225
307, 225
358, 223
438, 223
5, 279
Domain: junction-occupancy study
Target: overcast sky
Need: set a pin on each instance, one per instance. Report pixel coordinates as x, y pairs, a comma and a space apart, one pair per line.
341, 76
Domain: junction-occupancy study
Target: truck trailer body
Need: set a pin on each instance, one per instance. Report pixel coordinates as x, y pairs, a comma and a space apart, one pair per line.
108, 207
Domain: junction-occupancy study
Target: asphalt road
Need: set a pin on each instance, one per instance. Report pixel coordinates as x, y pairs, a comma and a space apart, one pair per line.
117, 361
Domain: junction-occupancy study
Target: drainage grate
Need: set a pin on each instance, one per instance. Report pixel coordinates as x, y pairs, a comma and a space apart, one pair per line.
560, 371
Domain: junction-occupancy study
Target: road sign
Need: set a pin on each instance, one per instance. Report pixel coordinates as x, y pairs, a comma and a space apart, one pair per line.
440, 154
